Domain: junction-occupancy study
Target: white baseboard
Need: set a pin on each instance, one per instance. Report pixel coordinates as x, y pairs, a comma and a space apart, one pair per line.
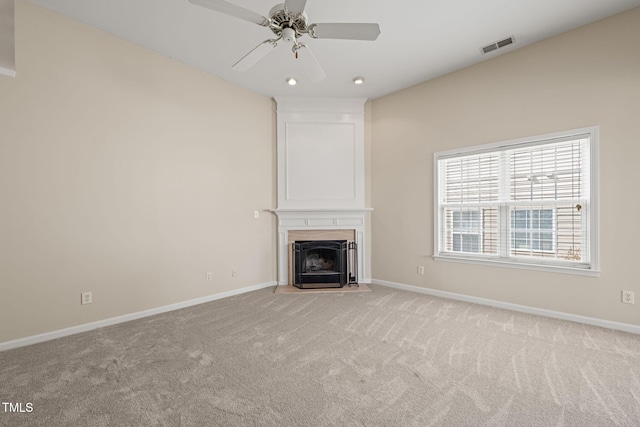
34, 339
626, 327
7, 72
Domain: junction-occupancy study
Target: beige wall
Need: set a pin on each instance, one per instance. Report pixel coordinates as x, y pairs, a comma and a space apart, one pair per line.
126, 174
129, 175
590, 76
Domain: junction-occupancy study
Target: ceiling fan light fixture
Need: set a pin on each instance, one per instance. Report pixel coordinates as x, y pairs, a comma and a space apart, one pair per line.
291, 81
358, 80
288, 21
288, 35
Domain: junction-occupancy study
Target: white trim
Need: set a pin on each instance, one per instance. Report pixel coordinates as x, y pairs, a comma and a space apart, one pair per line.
625, 327
34, 339
594, 202
296, 105
550, 268
8, 72
518, 142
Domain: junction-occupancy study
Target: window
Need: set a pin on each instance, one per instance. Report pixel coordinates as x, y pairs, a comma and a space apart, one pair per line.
530, 202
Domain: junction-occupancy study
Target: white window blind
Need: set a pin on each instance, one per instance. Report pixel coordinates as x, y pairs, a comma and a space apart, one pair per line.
529, 201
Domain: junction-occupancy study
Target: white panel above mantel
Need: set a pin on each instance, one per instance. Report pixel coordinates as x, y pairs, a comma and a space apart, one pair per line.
320, 153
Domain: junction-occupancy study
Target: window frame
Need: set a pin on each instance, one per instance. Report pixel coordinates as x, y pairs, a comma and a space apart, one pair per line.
532, 263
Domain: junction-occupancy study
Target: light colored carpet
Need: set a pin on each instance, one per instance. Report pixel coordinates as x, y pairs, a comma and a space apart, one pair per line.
380, 358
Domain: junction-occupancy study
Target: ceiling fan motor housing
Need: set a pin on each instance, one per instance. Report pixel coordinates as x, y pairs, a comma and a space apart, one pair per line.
282, 19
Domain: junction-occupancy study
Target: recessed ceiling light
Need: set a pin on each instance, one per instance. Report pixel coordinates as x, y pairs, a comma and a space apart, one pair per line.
358, 80
291, 81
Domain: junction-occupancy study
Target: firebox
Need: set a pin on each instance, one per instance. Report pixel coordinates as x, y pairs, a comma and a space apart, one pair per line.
323, 263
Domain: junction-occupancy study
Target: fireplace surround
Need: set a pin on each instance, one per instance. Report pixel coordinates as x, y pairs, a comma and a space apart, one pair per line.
298, 225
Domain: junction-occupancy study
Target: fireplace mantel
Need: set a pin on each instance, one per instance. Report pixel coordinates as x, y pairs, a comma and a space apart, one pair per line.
313, 211
320, 219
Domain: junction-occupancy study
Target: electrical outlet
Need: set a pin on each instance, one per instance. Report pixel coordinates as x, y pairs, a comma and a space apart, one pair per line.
234, 272
421, 269
628, 297
208, 276
86, 298
256, 214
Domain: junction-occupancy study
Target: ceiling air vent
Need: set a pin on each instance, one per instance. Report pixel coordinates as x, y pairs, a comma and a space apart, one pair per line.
497, 45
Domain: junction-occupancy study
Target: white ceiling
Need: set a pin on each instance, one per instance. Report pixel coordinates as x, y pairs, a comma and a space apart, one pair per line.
419, 40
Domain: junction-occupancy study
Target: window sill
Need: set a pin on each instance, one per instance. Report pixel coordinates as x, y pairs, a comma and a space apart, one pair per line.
521, 265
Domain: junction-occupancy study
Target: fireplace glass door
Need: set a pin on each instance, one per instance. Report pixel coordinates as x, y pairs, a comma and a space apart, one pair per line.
319, 263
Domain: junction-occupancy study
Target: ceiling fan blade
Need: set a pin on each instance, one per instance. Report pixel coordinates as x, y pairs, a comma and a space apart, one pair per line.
251, 58
310, 64
233, 10
346, 31
295, 6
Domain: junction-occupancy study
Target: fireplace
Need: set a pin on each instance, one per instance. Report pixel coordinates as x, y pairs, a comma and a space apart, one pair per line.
315, 202
323, 263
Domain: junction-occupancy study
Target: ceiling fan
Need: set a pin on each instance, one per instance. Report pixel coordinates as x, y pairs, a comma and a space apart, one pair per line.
288, 21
